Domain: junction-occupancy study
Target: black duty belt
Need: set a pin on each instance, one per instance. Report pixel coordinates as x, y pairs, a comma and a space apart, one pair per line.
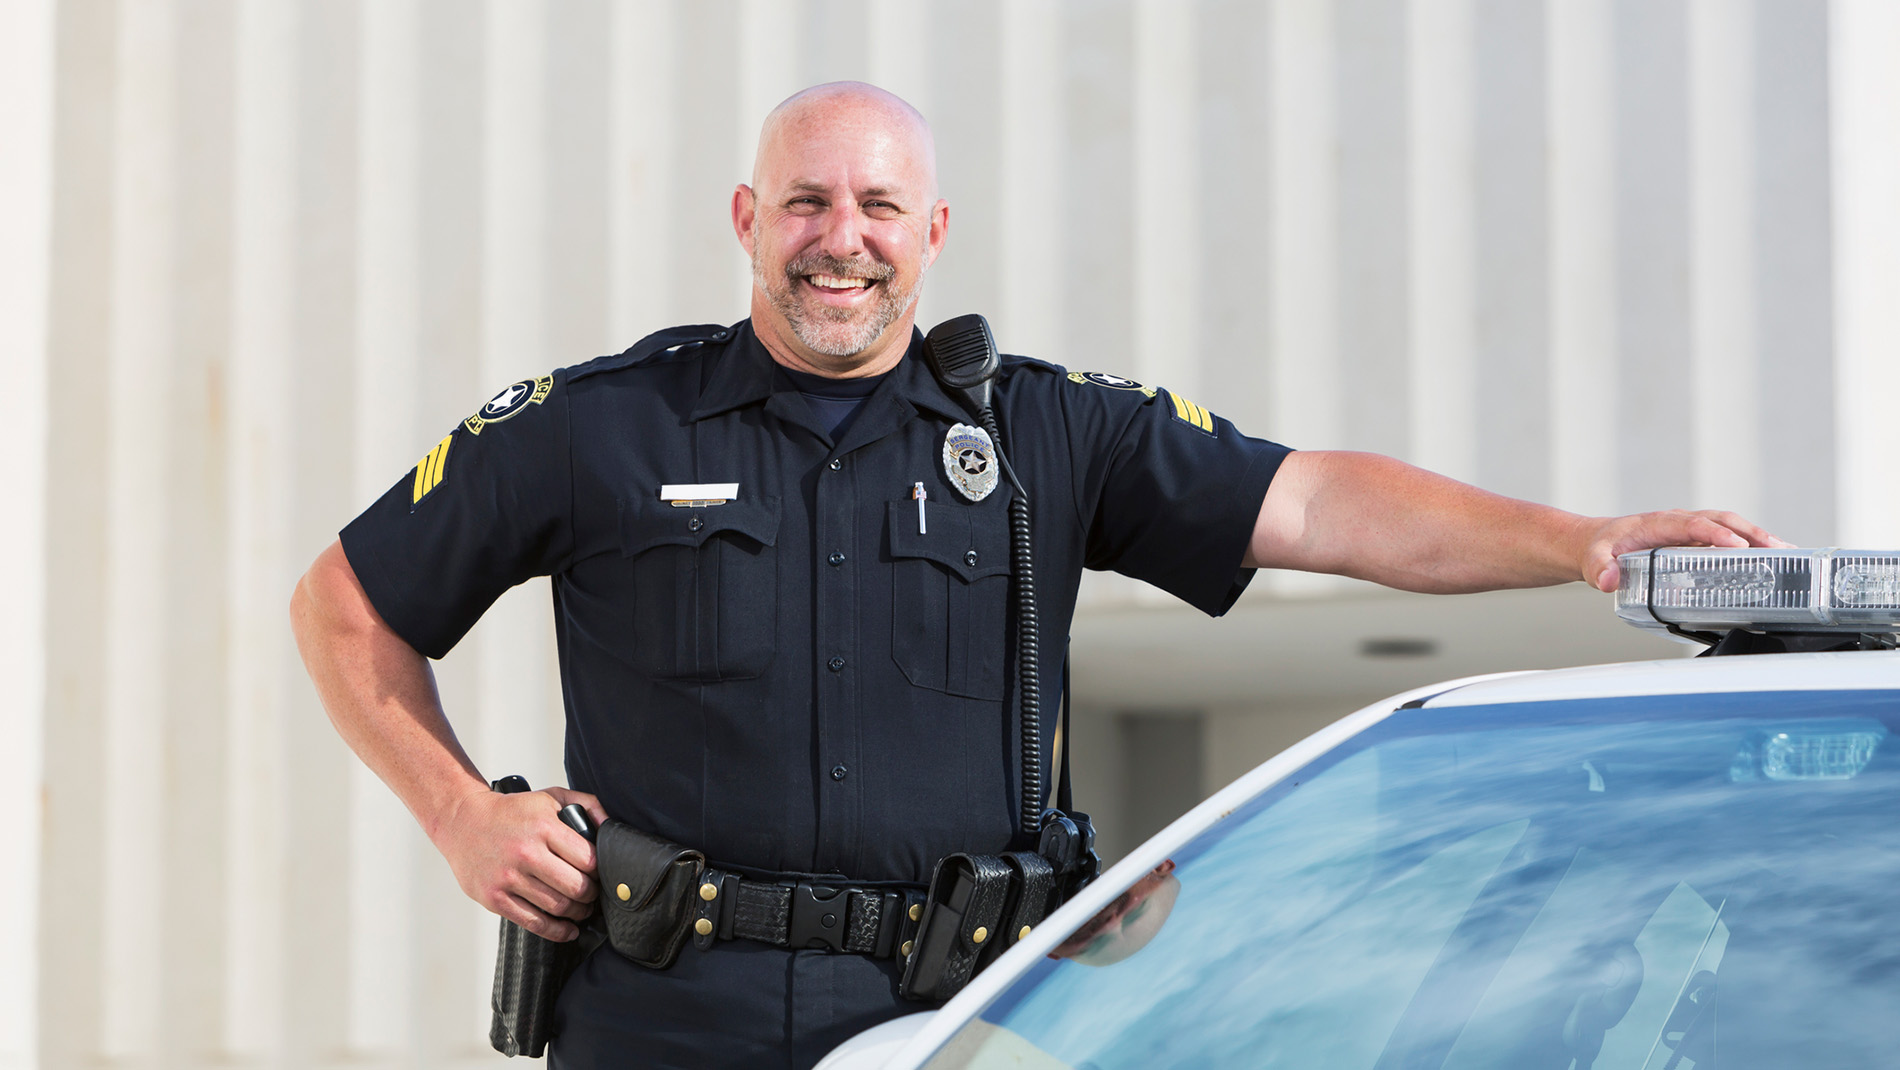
879, 921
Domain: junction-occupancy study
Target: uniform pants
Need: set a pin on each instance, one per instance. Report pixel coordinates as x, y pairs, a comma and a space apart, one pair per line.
738, 1004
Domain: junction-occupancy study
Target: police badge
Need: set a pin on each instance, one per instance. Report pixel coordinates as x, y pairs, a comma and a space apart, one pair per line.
969, 459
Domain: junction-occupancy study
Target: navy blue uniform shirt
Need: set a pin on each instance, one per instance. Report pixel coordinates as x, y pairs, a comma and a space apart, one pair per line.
800, 679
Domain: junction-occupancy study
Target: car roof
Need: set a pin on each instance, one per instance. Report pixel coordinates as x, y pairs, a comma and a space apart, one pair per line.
1843, 671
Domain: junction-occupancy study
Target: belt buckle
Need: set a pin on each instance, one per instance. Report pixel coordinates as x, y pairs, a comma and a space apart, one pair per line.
817, 917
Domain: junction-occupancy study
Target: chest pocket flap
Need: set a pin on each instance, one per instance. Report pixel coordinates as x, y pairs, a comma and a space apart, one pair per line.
644, 525
705, 583
950, 595
973, 543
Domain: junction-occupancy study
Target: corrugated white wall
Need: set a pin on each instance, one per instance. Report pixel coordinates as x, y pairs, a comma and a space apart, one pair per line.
257, 255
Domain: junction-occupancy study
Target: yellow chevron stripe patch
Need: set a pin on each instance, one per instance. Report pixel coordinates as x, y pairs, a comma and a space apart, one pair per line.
1191, 414
429, 471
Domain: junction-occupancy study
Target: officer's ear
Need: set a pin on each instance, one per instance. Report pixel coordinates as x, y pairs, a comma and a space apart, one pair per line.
938, 232
745, 205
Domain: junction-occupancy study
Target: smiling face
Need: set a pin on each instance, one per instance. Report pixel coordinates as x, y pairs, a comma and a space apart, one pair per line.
841, 222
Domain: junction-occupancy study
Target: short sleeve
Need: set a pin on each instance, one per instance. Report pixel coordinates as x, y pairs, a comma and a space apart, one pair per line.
1170, 492
486, 508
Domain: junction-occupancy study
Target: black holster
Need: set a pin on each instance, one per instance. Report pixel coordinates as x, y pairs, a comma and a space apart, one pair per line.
529, 973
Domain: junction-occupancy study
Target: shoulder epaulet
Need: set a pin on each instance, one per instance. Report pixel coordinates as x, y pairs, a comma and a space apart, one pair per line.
652, 345
1018, 360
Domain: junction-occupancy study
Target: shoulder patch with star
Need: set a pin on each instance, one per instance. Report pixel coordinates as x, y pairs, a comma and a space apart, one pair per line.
1111, 381
512, 399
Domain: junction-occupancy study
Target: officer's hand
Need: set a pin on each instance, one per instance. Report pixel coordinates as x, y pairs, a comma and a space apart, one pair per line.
513, 855
1646, 531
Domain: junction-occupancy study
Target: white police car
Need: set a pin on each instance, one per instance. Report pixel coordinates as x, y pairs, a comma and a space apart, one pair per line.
1677, 864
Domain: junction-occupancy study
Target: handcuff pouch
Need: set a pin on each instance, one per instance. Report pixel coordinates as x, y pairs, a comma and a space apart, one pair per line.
964, 912
1031, 883
647, 887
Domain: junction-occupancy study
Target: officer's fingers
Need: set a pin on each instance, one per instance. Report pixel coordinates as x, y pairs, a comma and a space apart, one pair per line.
573, 849
1754, 533
548, 899
566, 879
519, 911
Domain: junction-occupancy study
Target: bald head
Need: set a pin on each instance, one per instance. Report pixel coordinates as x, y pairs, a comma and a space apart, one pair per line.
876, 115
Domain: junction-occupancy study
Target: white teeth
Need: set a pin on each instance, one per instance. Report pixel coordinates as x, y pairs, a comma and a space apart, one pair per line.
833, 282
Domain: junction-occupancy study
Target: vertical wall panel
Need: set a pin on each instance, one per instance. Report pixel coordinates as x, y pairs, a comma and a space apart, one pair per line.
899, 40
1511, 249
261, 669
451, 72
578, 102
196, 540
712, 150
1167, 214
1794, 269
140, 389
1652, 246
1235, 181
26, 199
641, 185
1442, 250
1097, 184
975, 270
1722, 198
71, 896
1374, 323
1031, 130
830, 40
1584, 388
1304, 314
1864, 96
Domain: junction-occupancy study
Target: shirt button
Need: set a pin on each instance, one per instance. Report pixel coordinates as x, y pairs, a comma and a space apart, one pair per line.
836, 664
695, 524
837, 557
838, 772
969, 558
836, 463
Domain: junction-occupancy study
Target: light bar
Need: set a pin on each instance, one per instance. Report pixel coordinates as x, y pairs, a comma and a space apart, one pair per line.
1796, 590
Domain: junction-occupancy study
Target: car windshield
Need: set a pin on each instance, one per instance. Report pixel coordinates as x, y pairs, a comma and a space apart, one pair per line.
1685, 881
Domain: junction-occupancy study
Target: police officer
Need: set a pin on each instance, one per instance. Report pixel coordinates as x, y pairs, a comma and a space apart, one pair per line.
780, 561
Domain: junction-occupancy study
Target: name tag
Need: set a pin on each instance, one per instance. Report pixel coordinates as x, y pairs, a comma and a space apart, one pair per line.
694, 495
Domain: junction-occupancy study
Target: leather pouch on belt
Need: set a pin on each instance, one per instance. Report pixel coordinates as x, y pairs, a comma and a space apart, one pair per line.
967, 896
646, 892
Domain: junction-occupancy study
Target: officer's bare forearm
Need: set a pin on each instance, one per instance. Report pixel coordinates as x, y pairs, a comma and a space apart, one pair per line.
379, 692
1379, 519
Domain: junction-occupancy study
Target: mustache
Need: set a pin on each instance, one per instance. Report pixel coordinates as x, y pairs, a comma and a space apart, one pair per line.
822, 264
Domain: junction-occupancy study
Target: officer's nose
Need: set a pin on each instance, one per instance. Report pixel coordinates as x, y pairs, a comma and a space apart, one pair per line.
844, 233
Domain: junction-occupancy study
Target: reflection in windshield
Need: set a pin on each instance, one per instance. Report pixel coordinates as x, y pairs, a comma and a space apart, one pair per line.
1675, 883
